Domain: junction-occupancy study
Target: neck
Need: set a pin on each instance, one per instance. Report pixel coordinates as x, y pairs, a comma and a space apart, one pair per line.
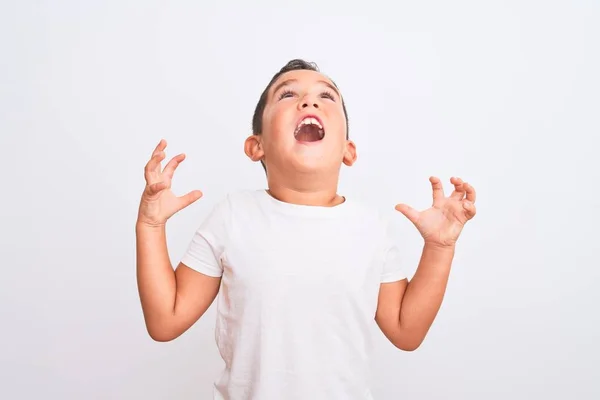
311, 192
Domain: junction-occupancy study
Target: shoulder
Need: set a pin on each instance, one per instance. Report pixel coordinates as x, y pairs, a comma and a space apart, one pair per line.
241, 199
237, 198
235, 203
358, 210
373, 220
224, 211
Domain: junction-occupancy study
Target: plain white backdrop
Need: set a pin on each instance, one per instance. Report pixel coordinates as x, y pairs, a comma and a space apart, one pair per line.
503, 94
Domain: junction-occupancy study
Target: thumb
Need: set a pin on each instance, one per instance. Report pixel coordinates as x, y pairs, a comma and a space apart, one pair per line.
189, 198
408, 212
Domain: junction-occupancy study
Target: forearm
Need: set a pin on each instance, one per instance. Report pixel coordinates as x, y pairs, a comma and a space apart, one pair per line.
155, 276
425, 292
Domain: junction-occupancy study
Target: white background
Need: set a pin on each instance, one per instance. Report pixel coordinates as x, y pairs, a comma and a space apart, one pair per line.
503, 94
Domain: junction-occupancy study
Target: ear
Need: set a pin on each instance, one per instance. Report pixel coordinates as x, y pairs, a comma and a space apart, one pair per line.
350, 153
253, 148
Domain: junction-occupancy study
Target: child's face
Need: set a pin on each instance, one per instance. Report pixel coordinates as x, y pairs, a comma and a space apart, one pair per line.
321, 145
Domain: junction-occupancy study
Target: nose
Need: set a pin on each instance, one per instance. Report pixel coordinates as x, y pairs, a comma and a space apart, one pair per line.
308, 101
307, 104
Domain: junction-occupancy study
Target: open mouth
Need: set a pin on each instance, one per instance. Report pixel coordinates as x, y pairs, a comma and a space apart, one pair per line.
309, 130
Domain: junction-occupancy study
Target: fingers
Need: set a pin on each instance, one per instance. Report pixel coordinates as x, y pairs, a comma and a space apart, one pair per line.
408, 212
459, 190
469, 202
161, 146
470, 190
156, 188
153, 166
172, 165
470, 209
158, 180
438, 189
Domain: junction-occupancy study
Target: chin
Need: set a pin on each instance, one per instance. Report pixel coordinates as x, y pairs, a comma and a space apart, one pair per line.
308, 159
310, 165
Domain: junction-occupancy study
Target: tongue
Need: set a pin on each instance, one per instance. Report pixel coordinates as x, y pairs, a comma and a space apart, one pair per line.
308, 133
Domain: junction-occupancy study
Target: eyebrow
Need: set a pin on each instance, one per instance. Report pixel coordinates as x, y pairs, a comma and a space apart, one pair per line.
289, 81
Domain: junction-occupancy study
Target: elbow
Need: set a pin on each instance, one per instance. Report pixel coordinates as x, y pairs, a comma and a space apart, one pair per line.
408, 342
408, 346
161, 335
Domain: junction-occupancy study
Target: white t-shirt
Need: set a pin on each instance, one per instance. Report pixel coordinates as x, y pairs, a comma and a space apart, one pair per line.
298, 295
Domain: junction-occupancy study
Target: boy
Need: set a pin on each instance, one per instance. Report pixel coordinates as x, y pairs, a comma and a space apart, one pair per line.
302, 271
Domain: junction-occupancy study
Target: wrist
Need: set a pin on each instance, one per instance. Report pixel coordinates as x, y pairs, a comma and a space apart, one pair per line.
439, 248
141, 225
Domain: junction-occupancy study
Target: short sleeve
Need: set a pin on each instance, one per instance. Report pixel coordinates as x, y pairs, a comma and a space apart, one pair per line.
393, 268
205, 251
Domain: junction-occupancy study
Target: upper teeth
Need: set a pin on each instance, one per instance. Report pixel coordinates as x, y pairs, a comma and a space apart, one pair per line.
309, 121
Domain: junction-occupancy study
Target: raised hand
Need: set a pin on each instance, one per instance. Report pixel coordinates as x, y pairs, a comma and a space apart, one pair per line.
442, 224
158, 202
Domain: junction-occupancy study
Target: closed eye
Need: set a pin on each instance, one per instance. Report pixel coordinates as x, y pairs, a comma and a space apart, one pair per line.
286, 93
328, 95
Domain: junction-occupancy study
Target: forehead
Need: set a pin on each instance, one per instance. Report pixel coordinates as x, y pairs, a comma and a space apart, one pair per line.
302, 77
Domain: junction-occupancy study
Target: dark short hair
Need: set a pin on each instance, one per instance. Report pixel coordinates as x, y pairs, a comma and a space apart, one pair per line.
293, 65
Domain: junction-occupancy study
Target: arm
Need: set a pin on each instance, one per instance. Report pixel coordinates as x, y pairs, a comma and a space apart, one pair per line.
172, 301
406, 310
